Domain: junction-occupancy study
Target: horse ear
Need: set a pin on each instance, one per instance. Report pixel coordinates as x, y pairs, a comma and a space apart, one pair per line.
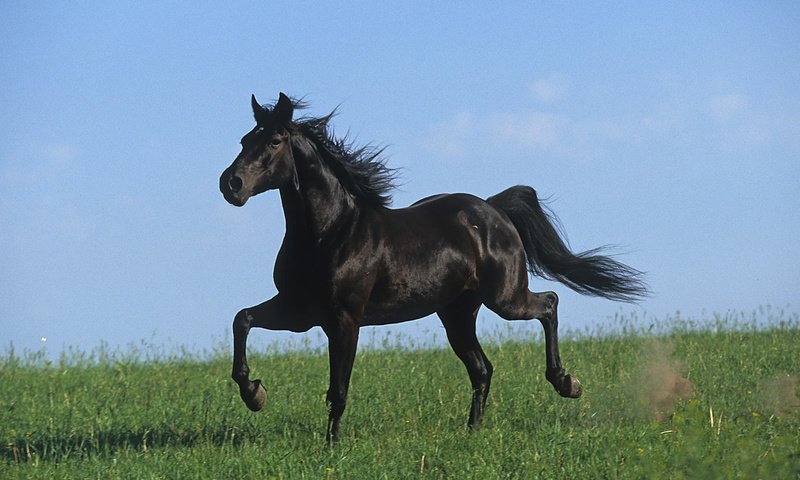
258, 111
284, 108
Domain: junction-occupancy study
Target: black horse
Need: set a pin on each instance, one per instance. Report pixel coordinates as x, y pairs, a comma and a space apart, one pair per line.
347, 260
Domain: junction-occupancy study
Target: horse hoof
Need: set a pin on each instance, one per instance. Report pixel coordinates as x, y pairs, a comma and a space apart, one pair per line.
570, 387
257, 399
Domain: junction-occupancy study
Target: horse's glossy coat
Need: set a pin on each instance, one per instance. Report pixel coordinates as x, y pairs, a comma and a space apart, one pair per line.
347, 260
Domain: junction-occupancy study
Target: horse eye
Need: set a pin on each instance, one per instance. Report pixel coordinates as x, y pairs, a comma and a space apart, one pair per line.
275, 142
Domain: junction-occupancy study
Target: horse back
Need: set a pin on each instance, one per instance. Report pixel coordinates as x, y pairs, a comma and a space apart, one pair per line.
430, 253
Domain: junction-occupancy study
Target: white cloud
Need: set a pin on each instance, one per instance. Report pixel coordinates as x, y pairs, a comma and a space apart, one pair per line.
549, 89
742, 122
46, 163
721, 121
726, 107
450, 138
60, 155
533, 130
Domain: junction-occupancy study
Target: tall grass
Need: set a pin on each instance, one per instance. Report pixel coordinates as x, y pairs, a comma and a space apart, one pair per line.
711, 400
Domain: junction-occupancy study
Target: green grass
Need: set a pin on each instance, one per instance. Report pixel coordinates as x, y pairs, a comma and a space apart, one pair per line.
646, 412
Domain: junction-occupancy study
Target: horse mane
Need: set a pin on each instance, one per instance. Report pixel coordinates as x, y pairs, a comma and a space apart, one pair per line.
361, 170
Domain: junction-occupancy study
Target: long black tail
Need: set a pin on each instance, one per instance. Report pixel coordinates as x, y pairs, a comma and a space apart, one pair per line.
549, 257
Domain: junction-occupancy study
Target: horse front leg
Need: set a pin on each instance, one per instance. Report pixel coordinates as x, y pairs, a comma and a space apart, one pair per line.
274, 314
342, 343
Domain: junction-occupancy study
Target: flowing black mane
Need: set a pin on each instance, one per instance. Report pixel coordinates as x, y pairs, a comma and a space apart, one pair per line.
361, 170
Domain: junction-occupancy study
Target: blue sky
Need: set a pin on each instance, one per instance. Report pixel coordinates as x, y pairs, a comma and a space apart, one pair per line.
671, 130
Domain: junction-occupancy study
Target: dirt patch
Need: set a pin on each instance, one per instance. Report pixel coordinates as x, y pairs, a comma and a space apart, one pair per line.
663, 381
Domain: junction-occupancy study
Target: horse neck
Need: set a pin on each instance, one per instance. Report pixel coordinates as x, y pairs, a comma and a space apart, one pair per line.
317, 204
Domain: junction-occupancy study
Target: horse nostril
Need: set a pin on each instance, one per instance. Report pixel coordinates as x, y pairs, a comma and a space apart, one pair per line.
235, 183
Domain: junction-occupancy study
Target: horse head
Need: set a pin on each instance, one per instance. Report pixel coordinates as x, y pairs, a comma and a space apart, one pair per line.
266, 161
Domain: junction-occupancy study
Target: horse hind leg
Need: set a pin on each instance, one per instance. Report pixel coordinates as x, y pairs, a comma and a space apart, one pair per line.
544, 307
459, 323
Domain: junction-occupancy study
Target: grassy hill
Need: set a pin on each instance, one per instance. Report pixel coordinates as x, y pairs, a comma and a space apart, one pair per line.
718, 401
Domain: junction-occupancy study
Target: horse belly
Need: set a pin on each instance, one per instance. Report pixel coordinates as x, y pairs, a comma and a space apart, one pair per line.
414, 292
376, 318
385, 311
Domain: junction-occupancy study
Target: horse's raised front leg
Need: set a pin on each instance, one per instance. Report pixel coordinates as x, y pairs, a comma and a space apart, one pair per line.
342, 343
274, 314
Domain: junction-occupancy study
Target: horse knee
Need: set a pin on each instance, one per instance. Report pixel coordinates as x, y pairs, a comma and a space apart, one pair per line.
241, 322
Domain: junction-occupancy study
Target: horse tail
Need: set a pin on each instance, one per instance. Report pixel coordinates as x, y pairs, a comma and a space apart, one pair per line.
548, 256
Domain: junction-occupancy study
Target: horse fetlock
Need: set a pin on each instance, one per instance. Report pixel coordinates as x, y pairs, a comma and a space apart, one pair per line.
566, 385
476, 410
474, 424
336, 409
253, 394
554, 375
332, 436
570, 387
240, 373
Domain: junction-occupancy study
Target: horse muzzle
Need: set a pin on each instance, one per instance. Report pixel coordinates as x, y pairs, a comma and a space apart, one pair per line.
231, 187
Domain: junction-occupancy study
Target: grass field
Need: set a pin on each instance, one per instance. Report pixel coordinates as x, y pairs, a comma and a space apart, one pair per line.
711, 401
